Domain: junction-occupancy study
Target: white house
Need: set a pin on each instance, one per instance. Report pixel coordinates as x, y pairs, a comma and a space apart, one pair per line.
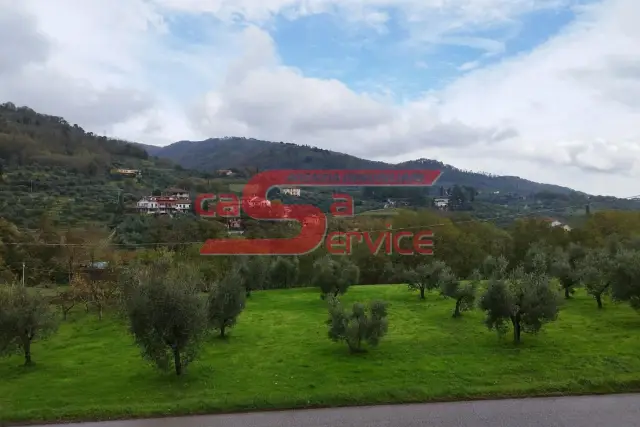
163, 205
441, 202
556, 223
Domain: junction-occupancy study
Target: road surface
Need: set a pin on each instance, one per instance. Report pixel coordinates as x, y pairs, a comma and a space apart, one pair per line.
621, 410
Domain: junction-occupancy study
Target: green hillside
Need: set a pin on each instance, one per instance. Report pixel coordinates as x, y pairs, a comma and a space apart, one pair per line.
225, 153
51, 166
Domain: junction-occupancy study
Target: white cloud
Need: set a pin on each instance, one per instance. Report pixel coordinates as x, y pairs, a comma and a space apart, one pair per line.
468, 66
567, 112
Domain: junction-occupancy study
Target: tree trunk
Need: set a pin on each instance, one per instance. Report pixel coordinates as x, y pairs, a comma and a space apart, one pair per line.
515, 321
567, 293
222, 328
248, 293
27, 353
177, 362
456, 312
599, 299
100, 311
421, 293
355, 348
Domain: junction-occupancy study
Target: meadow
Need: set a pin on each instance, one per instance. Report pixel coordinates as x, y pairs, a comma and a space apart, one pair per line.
279, 356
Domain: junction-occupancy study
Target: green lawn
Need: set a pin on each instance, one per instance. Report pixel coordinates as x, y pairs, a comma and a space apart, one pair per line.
279, 356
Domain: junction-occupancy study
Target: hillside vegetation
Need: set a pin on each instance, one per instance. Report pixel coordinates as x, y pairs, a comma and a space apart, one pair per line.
49, 166
480, 194
225, 153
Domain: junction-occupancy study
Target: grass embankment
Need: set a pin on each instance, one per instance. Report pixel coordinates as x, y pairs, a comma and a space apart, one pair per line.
279, 356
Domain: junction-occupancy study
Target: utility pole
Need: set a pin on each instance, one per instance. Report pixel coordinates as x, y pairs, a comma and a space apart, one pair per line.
23, 265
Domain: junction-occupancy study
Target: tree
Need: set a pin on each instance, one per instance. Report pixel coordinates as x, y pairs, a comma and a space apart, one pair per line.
625, 278
255, 272
527, 300
576, 253
363, 324
96, 286
334, 275
560, 267
595, 271
284, 272
25, 316
494, 267
66, 300
464, 294
425, 277
226, 301
536, 259
167, 317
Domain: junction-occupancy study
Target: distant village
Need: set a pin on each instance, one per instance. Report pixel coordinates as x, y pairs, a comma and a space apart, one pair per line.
177, 201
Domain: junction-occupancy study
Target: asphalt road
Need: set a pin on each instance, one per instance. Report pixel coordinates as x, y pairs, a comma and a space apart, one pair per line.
589, 411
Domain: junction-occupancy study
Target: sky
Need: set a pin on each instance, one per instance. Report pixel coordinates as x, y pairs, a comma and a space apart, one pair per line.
548, 90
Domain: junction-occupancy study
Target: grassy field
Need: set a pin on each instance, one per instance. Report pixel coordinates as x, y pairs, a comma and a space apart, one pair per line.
279, 356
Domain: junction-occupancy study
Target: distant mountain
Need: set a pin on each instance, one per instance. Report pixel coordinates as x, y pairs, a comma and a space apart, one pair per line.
153, 150
225, 153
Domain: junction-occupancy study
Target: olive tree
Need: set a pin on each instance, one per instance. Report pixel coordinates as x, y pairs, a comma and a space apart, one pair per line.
464, 294
363, 324
425, 277
526, 300
625, 278
226, 301
595, 272
283, 272
254, 271
493, 266
167, 317
25, 316
537, 258
561, 268
334, 275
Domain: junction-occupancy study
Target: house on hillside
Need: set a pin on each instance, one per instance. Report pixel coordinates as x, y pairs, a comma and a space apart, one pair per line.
178, 193
163, 205
224, 172
555, 223
132, 173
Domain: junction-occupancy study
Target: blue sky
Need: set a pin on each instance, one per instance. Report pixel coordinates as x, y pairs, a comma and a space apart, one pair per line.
543, 89
321, 47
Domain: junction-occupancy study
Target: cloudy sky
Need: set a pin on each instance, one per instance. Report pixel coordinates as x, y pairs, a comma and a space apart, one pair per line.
544, 89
